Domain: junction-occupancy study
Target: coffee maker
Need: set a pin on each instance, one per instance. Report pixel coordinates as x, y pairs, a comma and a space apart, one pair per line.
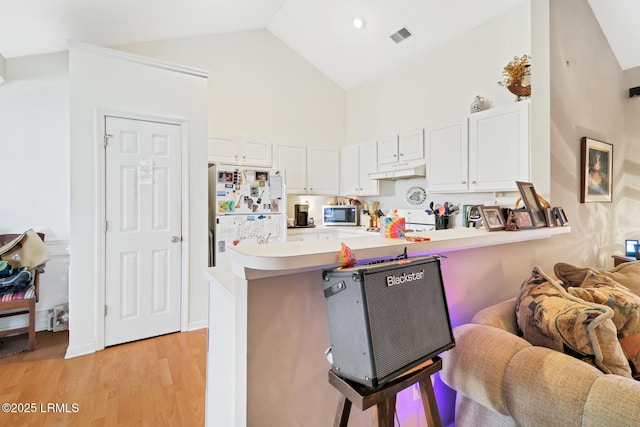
301, 215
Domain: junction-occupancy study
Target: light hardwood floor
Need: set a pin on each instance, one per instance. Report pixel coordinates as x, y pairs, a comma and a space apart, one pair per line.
154, 382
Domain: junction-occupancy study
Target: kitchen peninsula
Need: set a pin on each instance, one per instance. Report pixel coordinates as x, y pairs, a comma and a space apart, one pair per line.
268, 329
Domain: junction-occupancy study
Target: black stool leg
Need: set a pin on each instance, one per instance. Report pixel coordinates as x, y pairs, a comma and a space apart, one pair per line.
382, 413
342, 413
429, 403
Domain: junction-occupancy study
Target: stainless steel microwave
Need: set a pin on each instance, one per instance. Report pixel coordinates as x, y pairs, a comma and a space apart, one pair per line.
340, 215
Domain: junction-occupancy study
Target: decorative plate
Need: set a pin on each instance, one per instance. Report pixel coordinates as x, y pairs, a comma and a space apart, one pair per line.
416, 195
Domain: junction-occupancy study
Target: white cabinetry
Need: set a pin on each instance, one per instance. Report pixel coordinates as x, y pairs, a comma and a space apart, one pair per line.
447, 158
309, 170
293, 160
356, 162
401, 148
323, 170
488, 153
499, 148
246, 151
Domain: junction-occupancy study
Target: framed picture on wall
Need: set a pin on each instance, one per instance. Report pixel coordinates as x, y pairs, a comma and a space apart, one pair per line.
596, 171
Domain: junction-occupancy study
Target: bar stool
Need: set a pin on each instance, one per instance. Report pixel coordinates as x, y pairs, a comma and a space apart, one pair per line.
383, 399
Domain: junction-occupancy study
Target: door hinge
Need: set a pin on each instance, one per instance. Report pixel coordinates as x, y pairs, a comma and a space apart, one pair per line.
106, 138
106, 225
105, 310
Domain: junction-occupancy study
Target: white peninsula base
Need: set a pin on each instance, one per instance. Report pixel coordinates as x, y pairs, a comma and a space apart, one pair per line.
268, 326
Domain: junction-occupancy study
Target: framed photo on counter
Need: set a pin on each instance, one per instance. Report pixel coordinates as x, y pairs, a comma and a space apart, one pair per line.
492, 217
531, 202
524, 219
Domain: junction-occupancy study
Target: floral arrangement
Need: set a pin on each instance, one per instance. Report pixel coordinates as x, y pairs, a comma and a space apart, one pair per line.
515, 70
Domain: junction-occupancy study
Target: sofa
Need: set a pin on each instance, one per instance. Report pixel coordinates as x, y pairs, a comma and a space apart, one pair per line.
501, 379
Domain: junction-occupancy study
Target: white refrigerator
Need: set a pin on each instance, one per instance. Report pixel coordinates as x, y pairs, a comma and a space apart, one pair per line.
247, 205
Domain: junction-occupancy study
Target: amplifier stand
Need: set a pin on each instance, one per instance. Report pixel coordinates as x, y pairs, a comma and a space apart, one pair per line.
383, 398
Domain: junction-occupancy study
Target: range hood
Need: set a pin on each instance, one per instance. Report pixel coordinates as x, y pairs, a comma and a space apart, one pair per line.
415, 171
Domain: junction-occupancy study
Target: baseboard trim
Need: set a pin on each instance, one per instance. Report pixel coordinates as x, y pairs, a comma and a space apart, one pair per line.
81, 350
194, 326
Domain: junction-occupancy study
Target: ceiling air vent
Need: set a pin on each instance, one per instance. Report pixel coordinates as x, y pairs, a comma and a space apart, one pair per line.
400, 35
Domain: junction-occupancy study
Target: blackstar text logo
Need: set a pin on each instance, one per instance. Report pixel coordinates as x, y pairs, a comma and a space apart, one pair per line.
404, 278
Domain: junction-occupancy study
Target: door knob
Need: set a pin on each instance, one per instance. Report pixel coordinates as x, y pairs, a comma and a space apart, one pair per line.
175, 239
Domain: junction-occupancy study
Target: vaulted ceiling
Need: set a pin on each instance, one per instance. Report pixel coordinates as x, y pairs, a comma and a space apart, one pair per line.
320, 31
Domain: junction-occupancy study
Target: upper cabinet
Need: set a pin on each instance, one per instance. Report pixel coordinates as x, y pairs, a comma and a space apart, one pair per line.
293, 160
323, 170
246, 151
490, 152
309, 170
447, 158
499, 148
402, 147
356, 162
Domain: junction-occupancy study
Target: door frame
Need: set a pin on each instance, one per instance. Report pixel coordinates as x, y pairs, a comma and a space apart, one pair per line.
100, 238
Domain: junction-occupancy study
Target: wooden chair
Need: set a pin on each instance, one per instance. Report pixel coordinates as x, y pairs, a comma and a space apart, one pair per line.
22, 302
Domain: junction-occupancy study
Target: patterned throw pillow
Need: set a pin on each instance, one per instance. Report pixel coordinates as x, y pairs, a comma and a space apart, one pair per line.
626, 274
626, 314
551, 317
570, 275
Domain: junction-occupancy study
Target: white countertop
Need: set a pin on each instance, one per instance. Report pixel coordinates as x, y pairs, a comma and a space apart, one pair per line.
278, 258
351, 229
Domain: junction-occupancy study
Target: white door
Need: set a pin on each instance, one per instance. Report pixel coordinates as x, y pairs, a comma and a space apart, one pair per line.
143, 214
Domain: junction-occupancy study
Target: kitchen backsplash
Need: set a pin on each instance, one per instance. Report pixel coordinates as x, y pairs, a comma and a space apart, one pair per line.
315, 205
393, 194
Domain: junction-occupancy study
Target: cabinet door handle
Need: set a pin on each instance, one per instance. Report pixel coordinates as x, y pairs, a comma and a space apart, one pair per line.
473, 182
464, 182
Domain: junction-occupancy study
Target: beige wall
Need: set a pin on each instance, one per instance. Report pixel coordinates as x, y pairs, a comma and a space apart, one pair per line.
258, 87
107, 81
587, 99
629, 199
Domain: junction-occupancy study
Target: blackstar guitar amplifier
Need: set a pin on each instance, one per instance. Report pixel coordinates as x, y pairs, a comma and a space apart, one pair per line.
386, 318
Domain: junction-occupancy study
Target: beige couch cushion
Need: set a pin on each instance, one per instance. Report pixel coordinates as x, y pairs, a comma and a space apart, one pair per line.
474, 368
612, 401
547, 388
551, 317
501, 315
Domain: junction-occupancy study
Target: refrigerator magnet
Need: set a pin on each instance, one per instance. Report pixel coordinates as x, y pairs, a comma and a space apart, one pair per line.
226, 206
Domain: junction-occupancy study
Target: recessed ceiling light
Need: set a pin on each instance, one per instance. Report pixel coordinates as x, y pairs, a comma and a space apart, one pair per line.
358, 23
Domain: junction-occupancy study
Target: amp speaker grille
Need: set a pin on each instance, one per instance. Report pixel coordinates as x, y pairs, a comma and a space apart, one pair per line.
409, 320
